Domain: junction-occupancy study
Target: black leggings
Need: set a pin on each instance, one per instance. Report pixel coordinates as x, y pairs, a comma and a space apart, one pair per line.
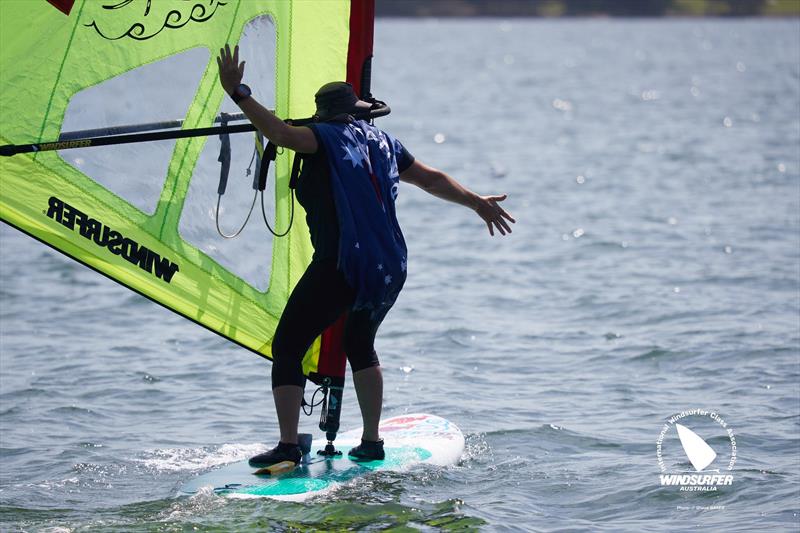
317, 301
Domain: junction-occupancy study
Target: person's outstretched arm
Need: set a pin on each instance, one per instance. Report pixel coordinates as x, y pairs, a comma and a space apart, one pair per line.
439, 184
231, 72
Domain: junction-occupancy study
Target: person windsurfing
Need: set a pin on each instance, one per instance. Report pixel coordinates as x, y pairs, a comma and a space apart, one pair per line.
348, 189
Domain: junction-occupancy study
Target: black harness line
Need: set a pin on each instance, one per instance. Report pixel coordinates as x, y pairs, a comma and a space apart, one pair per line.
265, 155
224, 170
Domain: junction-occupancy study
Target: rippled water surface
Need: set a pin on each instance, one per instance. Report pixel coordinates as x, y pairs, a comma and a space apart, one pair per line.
654, 170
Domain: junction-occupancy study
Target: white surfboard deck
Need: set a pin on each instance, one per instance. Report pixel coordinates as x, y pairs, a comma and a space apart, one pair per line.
408, 440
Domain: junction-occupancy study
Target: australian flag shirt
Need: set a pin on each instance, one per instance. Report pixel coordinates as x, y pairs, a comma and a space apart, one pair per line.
364, 180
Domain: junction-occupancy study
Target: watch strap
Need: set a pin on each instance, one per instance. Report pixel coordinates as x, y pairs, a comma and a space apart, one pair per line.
241, 92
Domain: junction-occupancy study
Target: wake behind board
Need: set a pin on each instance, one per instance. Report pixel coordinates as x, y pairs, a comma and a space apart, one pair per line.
408, 440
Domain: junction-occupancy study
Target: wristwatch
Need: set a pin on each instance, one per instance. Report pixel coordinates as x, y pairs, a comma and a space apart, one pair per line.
240, 93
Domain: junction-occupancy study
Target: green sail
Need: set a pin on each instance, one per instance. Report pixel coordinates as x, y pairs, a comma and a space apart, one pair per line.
52, 55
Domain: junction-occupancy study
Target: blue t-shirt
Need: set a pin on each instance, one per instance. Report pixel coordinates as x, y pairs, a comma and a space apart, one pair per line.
364, 165
315, 195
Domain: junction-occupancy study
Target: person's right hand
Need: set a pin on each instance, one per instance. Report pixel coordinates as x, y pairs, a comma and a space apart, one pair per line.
231, 71
494, 215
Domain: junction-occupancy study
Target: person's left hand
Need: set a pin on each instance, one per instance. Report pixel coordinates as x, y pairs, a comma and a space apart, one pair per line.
231, 71
494, 215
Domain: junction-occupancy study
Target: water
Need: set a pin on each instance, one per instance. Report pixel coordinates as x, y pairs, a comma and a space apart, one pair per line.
654, 170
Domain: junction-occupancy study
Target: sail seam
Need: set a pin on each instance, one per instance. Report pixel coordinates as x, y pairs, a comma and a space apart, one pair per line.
58, 75
189, 142
290, 236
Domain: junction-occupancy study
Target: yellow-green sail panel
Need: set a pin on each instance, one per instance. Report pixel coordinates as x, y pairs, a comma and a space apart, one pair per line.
52, 54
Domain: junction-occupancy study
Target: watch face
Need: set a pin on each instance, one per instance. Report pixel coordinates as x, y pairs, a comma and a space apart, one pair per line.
240, 93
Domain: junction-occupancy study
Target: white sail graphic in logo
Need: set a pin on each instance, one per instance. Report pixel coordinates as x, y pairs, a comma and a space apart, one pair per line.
699, 453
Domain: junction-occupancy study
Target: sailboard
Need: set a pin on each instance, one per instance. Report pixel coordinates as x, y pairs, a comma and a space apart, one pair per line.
409, 440
141, 214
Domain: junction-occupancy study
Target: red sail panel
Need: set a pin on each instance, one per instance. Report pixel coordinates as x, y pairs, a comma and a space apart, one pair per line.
65, 6
362, 25
332, 358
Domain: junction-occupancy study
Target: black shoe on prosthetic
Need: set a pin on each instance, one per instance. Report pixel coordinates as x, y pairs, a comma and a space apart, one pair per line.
368, 451
282, 452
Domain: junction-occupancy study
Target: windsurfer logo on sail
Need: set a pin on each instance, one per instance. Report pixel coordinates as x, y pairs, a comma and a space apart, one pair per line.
105, 237
143, 19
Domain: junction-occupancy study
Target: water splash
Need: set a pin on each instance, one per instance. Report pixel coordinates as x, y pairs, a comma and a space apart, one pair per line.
196, 459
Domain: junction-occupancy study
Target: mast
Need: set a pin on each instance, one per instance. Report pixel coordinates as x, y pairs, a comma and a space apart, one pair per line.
332, 358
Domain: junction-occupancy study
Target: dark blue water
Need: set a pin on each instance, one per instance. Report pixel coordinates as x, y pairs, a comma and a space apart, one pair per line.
654, 170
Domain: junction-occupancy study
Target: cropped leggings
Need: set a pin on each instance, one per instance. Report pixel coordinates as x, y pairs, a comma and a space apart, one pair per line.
317, 301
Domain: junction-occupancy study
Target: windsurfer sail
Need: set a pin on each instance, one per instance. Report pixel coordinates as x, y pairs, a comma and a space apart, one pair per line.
146, 58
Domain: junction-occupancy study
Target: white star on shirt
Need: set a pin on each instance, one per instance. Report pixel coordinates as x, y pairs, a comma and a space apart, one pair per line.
384, 146
380, 267
387, 280
353, 154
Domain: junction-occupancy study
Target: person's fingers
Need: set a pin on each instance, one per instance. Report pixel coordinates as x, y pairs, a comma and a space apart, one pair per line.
499, 210
495, 216
241, 69
219, 63
506, 215
502, 223
499, 228
236, 55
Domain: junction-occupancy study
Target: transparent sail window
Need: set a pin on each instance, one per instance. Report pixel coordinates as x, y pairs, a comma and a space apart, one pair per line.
134, 172
249, 255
